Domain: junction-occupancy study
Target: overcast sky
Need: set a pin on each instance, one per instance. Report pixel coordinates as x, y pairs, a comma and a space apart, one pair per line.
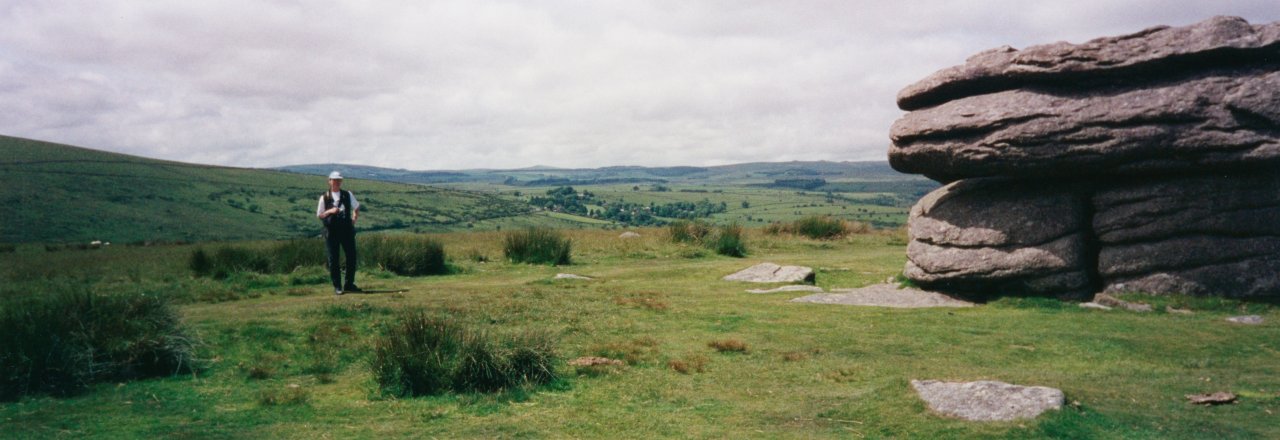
509, 84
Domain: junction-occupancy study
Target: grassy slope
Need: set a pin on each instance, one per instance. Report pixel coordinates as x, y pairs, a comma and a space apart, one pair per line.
60, 193
812, 370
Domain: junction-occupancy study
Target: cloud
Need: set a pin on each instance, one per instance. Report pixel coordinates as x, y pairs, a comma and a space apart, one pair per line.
500, 84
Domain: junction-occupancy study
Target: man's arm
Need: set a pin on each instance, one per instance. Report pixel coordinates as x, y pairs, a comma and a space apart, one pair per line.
321, 212
355, 208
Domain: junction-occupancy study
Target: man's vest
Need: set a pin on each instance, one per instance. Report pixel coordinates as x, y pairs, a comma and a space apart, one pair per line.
342, 220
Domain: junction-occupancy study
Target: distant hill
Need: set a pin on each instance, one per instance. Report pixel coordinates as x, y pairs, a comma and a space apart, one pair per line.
761, 173
56, 193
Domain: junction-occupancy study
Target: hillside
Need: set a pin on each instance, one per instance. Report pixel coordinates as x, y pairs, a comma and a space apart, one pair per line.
64, 194
758, 173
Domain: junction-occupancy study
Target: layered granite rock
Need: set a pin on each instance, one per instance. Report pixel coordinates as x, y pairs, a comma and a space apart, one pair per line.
992, 234
1145, 162
1205, 235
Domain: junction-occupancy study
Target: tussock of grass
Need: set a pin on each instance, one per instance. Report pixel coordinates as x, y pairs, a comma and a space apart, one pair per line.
421, 354
730, 242
693, 232
689, 364
638, 351
728, 346
727, 240
818, 227
61, 342
405, 255
292, 394
537, 246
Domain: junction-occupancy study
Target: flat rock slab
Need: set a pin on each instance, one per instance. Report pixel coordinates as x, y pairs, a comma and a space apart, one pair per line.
1248, 319
987, 400
629, 234
1217, 398
788, 289
884, 295
1113, 302
569, 276
1094, 305
773, 273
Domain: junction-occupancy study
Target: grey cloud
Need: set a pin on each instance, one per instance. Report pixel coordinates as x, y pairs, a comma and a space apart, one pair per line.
459, 84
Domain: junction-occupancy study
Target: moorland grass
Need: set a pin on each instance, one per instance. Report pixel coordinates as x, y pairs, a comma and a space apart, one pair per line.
725, 240
422, 354
61, 342
811, 371
537, 246
401, 254
818, 227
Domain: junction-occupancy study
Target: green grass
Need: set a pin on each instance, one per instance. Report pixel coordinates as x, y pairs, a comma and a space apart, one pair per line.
76, 195
703, 358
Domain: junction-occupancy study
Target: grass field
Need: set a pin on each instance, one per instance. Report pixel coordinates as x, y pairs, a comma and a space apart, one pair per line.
286, 359
64, 194
70, 195
762, 205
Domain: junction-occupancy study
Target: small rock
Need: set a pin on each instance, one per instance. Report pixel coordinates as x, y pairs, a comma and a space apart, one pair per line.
591, 361
1111, 301
987, 400
1217, 398
1094, 305
1173, 311
569, 276
629, 234
787, 289
1247, 319
773, 273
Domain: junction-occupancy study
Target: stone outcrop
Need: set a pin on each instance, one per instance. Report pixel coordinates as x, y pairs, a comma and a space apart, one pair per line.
1146, 162
980, 234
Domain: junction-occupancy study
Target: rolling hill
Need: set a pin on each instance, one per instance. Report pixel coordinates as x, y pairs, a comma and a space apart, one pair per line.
58, 193
755, 174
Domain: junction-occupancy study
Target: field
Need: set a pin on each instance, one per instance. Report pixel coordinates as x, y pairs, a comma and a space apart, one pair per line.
287, 359
68, 195
745, 205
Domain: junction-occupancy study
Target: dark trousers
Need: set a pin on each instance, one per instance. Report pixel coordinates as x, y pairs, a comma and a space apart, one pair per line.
347, 241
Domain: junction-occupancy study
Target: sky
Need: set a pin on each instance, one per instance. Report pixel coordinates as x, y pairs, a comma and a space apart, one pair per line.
437, 85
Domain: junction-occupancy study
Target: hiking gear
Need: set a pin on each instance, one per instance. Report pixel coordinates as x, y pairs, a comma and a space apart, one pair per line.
337, 292
341, 221
335, 175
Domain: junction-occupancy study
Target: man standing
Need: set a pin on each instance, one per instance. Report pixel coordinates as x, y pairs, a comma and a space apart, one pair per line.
338, 209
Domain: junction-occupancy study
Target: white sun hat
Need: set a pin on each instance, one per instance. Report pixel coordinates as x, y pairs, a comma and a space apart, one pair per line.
335, 176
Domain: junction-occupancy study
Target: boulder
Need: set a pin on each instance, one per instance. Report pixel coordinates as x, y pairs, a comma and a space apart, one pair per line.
1214, 42
1161, 100
1220, 120
1144, 162
629, 234
1201, 235
987, 400
999, 235
773, 273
